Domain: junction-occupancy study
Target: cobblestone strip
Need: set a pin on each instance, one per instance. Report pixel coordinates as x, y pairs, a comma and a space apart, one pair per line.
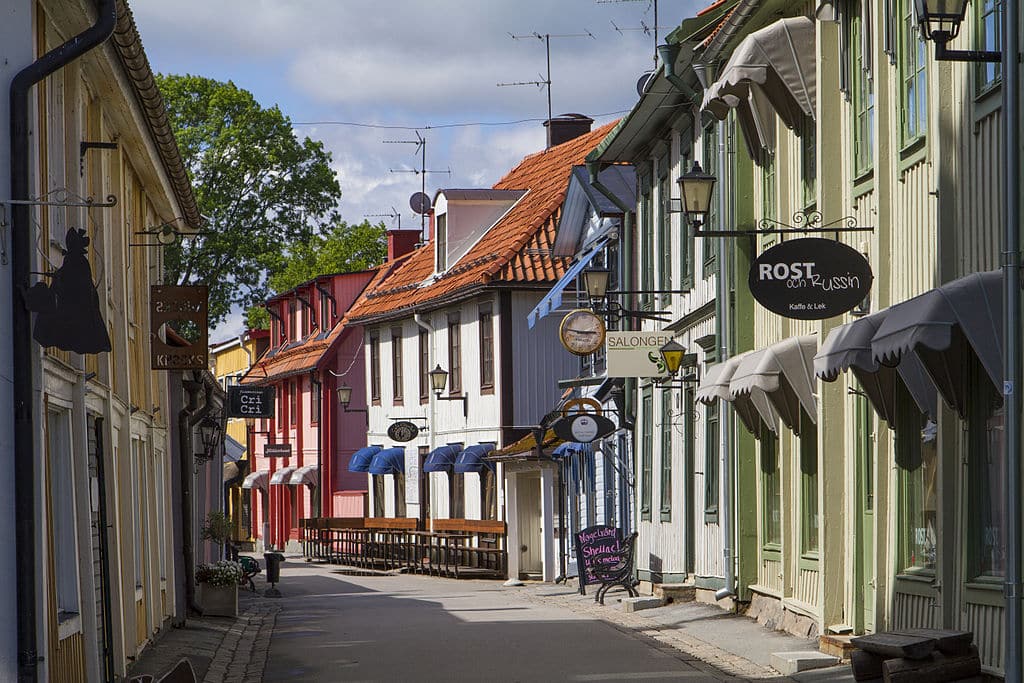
717, 663
242, 654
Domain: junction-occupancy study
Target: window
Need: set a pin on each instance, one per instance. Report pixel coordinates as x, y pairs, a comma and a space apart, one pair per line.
325, 313
293, 403
400, 494
986, 465
294, 500
293, 319
771, 491
809, 517
711, 462
441, 243
988, 20
454, 354
137, 526
646, 453
917, 461
646, 247
709, 161
424, 355
396, 364
666, 455
456, 495
488, 494
378, 495
863, 90
809, 161
913, 78
664, 240
65, 538
768, 187
315, 397
375, 368
486, 348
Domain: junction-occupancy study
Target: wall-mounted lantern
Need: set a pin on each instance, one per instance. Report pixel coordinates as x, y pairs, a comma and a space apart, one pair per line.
438, 380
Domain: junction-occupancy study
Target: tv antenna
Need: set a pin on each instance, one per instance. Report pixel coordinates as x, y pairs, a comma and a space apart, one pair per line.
547, 50
648, 30
393, 215
421, 147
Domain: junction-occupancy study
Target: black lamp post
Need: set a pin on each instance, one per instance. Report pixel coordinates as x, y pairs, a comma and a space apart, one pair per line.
940, 21
438, 380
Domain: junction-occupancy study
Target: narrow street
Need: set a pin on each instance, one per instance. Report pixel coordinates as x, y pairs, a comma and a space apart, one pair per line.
337, 625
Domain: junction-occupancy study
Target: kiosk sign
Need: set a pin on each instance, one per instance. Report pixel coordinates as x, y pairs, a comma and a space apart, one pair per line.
244, 401
810, 278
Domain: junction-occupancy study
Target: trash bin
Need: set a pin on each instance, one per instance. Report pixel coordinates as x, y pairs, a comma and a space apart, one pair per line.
273, 561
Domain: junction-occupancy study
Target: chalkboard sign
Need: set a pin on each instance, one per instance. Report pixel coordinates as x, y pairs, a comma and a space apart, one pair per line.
594, 541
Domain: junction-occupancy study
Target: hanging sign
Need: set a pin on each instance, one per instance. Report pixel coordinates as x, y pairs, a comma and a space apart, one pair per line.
188, 304
249, 401
277, 450
583, 427
810, 278
636, 354
403, 431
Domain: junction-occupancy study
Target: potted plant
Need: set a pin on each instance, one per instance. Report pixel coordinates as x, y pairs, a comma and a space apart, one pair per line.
217, 528
218, 587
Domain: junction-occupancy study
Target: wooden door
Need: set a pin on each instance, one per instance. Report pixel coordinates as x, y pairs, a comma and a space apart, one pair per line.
530, 524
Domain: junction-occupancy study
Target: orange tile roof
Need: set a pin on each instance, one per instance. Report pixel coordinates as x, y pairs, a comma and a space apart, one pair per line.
712, 7
515, 250
721, 25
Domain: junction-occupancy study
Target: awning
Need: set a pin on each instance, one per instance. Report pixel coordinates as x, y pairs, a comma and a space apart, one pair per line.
754, 113
848, 347
754, 409
570, 447
361, 459
442, 459
526, 447
779, 60
785, 373
282, 477
233, 450
234, 472
308, 475
472, 459
946, 328
553, 299
256, 480
388, 461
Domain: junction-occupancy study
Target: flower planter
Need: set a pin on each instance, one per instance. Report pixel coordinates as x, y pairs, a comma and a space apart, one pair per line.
218, 601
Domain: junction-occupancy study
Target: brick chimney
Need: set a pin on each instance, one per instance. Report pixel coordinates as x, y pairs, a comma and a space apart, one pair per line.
565, 127
401, 242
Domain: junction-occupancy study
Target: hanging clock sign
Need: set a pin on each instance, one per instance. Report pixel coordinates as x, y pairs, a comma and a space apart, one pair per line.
810, 278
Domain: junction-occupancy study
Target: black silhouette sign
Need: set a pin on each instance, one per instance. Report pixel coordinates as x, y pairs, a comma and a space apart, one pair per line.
188, 304
68, 309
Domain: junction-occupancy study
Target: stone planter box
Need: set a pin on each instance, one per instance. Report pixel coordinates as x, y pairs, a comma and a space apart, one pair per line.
218, 601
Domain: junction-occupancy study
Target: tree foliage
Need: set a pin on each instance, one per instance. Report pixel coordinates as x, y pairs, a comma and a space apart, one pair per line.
343, 248
259, 186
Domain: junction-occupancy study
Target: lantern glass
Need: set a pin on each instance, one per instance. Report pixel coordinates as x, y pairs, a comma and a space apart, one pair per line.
344, 395
208, 433
696, 188
438, 378
940, 19
596, 282
672, 353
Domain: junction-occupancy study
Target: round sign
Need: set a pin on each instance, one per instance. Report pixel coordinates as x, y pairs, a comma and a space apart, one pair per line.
584, 428
810, 278
582, 332
403, 431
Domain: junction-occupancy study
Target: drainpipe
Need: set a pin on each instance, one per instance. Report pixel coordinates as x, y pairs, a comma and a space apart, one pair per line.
668, 54
722, 320
21, 324
1012, 337
188, 418
424, 322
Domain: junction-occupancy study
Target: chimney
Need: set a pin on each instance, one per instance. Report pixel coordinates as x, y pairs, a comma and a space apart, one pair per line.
566, 127
401, 242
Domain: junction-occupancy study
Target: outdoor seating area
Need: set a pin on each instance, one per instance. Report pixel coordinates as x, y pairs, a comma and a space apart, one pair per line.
455, 548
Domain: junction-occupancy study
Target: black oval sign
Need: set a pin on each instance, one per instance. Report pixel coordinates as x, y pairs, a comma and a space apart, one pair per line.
810, 278
403, 431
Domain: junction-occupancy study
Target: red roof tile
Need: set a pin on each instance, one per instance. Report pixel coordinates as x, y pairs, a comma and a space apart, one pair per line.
516, 249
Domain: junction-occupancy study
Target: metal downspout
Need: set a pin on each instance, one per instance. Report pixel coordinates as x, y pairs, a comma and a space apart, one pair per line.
1012, 338
424, 322
21, 267
188, 418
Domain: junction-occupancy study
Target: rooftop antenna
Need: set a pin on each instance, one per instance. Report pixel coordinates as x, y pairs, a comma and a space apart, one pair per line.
648, 30
547, 50
421, 147
393, 215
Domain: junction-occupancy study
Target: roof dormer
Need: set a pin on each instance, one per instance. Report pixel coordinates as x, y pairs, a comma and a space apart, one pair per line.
462, 217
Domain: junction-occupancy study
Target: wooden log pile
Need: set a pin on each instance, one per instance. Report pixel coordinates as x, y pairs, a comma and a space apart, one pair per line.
915, 656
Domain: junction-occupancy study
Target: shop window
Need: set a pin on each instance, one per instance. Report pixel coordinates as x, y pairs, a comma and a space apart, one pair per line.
771, 492
711, 456
62, 503
646, 453
986, 465
456, 495
809, 503
917, 460
666, 455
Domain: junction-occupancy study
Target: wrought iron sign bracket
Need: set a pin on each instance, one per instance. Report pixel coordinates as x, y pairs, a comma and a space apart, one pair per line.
615, 312
84, 147
63, 196
803, 224
425, 428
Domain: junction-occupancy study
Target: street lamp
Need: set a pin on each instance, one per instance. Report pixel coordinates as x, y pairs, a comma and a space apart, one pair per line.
696, 188
438, 380
595, 281
940, 21
345, 397
674, 356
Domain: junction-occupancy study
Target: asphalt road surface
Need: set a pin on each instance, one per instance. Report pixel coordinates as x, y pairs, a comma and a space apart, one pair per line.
335, 626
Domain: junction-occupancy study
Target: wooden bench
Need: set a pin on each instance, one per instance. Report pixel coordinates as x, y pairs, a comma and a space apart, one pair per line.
915, 656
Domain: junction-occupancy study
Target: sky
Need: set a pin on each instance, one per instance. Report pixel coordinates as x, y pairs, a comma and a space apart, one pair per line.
365, 78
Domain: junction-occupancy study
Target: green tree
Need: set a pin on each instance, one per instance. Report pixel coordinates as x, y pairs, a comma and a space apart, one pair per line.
260, 187
343, 248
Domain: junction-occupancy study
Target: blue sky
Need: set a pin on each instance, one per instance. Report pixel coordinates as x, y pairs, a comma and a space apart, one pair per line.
415, 64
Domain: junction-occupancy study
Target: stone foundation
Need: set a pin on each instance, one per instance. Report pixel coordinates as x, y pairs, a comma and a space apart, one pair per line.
770, 613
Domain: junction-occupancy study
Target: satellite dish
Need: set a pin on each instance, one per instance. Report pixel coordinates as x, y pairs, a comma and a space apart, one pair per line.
641, 84
420, 203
